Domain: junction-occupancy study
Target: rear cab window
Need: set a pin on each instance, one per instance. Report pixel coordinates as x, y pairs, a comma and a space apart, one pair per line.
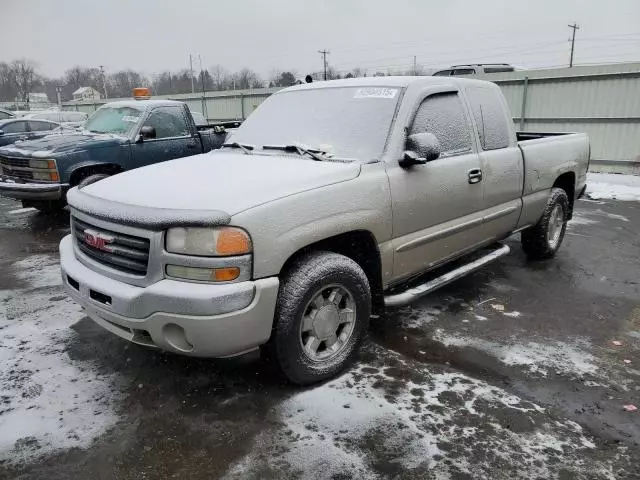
490, 117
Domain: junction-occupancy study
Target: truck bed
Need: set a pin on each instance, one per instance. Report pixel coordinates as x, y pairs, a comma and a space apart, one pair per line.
547, 157
523, 136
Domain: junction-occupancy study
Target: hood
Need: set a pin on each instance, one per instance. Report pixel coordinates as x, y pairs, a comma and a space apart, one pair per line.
61, 143
228, 182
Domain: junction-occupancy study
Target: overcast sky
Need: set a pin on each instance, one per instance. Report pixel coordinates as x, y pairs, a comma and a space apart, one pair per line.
376, 35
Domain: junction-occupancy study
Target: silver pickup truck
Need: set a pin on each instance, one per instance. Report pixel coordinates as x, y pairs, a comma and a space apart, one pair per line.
332, 201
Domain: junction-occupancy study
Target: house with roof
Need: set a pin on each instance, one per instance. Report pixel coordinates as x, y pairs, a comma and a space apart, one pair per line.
87, 93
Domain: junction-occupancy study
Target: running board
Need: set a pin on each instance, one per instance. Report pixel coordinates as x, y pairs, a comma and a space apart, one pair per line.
414, 293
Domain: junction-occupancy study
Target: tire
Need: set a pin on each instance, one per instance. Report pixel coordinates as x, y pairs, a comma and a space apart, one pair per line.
92, 179
309, 311
46, 206
543, 240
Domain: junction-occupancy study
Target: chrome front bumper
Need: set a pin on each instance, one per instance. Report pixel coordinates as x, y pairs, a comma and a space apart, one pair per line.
31, 191
187, 318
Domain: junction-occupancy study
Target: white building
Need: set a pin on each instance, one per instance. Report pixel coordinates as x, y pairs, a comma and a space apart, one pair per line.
86, 93
35, 98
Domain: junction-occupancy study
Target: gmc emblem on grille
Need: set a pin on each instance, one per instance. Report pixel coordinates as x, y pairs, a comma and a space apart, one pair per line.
99, 241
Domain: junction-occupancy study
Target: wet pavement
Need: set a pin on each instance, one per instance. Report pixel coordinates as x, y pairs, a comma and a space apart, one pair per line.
511, 372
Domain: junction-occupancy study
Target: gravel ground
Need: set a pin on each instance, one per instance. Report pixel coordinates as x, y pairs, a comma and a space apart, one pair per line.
521, 370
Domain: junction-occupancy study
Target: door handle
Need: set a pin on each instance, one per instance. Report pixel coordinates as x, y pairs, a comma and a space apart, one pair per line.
475, 176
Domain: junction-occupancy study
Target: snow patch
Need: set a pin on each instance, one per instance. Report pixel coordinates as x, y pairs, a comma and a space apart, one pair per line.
39, 271
47, 400
616, 187
579, 218
18, 211
348, 424
563, 358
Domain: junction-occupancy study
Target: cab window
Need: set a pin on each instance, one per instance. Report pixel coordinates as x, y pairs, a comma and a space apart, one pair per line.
168, 122
442, 114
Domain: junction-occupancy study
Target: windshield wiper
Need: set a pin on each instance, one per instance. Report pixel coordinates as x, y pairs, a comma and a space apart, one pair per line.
314, 153
246, 148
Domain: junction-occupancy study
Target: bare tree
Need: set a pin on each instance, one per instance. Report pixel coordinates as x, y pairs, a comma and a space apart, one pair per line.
123, 82
24, 77
8, 90
247, 78
219, 77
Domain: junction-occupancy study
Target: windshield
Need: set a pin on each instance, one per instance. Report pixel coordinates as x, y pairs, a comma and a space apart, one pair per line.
117, 120
347, 122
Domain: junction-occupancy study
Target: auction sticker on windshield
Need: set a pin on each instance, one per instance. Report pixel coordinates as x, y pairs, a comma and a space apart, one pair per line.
376, 93
130, 118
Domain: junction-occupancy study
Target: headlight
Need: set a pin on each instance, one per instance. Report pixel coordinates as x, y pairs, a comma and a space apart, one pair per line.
208, 242
44, 164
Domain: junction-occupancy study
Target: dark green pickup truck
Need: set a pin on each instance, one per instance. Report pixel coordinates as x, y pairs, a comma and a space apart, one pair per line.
119, 136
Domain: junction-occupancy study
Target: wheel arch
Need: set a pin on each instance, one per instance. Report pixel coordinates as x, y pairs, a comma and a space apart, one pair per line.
83, 171
358, 245
567, 182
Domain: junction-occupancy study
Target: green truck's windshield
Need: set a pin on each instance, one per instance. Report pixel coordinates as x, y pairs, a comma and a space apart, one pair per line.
346, 122
116, 120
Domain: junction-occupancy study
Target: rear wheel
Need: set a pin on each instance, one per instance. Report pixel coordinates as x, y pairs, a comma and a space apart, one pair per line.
544, 239
322, 315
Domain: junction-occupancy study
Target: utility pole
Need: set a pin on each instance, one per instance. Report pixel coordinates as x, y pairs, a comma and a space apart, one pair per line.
59, 95
324, 54
415, 69
193, 87
575, 27
201, 73
104, 82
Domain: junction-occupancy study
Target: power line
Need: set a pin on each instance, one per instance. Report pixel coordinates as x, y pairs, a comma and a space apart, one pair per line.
324, 54
575, 27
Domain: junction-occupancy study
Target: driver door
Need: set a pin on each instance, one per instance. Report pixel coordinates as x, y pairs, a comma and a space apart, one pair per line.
437, 206
174, 137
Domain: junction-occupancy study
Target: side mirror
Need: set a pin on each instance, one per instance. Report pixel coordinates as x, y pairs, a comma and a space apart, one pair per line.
147, 132
219, 129
421, 148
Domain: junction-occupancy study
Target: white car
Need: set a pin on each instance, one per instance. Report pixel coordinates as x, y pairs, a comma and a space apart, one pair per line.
71, 119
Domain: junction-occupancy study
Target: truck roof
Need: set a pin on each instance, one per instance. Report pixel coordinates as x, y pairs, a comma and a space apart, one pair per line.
143, 103
393, 81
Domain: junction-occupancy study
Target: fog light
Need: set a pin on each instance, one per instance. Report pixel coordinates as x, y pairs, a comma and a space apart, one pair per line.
176, 337
200, 274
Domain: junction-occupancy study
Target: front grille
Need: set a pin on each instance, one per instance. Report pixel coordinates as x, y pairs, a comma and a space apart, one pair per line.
17, 173
122, 252
14, 162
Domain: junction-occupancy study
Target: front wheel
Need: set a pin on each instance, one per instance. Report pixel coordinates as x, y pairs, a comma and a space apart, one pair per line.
322, 315
92, 179
543, 240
